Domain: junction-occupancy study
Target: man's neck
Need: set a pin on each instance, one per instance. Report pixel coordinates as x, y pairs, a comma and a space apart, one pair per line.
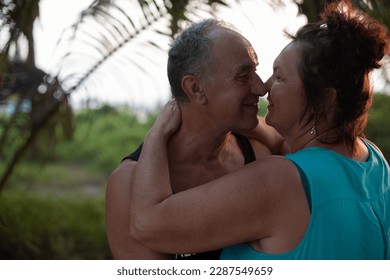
200, 152
199, 144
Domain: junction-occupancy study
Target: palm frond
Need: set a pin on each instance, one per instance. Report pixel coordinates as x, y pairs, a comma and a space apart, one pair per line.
109, 28
378, 9
102, 31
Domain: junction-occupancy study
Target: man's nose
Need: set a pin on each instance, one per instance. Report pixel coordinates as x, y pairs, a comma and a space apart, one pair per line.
259, 87
268, 83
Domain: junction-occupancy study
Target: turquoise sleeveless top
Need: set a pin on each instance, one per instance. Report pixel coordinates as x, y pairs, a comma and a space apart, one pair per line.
350, 209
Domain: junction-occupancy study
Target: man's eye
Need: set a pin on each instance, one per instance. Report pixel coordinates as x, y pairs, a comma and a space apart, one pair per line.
243, 76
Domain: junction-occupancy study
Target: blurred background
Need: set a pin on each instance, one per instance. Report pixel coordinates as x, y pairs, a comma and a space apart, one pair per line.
81, 82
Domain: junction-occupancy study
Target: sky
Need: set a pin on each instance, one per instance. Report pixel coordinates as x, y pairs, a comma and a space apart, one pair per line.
261, 24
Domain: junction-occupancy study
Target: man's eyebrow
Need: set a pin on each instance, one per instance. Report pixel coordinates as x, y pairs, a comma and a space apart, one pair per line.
245, 67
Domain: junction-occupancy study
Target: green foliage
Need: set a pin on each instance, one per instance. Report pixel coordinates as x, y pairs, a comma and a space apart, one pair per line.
262, 107
16, 132
33, 226
378, 128
58, 178
103, 137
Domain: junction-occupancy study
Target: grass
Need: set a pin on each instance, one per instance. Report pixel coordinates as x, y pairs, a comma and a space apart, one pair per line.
37, 226
59, 178
53, 211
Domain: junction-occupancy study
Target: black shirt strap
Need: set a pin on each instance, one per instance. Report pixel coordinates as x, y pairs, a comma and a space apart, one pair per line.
249, 154
135, 154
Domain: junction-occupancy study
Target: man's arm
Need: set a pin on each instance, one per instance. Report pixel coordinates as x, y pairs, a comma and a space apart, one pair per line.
118, 219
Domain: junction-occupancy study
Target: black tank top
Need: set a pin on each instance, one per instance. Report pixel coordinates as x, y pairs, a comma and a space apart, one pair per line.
249, 156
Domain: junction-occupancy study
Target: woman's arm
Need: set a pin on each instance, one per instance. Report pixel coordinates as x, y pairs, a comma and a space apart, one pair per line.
243, 206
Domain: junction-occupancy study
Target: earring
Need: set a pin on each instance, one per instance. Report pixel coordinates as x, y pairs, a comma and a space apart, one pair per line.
313, 128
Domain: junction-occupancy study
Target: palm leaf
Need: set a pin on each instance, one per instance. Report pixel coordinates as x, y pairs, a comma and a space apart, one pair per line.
107, 28
378, 9
103, 30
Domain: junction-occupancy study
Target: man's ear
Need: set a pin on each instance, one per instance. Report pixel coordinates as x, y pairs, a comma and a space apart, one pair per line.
193, 87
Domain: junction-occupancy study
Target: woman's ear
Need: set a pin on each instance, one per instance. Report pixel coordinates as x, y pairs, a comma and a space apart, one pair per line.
194, 88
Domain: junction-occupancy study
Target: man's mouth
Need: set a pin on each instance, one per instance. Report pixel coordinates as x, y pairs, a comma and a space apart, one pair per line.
254, 104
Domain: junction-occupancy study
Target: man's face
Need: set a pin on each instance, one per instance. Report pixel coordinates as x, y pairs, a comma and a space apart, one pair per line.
234, 89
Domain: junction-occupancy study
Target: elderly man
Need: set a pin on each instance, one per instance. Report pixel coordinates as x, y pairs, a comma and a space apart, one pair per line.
212, 73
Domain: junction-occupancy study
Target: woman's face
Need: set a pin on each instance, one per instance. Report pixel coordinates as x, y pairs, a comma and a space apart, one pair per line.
286, 98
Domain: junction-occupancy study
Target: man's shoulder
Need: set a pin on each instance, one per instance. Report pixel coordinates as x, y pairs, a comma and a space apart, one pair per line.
124, 167
122, 175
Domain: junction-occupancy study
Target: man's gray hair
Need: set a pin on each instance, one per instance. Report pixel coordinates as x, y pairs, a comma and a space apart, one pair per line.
191, 54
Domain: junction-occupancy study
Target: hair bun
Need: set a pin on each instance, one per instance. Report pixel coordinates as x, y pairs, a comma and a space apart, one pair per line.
356, 34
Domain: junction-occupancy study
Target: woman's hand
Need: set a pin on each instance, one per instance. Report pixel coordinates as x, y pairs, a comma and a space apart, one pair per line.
169, 120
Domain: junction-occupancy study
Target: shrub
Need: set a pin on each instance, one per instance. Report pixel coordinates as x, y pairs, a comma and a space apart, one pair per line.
103, 137
378, 128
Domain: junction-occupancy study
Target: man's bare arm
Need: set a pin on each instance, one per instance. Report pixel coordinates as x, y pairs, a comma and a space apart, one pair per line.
118, 219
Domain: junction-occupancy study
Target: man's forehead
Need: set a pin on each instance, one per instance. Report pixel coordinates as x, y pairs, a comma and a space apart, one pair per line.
227, 38
253, 55
224, 35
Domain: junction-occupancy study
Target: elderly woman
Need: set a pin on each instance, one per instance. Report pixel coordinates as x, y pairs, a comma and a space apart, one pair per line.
328, 199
